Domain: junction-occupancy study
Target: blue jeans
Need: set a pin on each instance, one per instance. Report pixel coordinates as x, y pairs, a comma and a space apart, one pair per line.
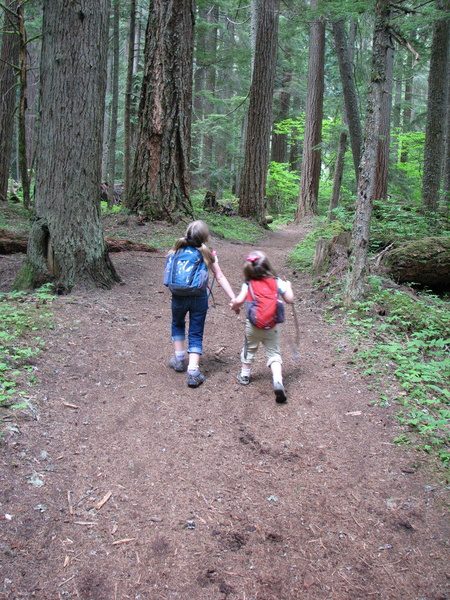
197, 307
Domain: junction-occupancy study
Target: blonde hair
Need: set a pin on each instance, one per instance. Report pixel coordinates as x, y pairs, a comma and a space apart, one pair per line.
257, 266
197, 234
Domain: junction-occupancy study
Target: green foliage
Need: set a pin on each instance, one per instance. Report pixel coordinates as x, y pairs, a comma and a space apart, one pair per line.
115, 208
282, 189
21, 316
13, 216
294, 128
233, 229
303, 253
404, 340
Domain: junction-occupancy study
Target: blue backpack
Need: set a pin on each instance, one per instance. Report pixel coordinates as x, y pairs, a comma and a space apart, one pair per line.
186, 273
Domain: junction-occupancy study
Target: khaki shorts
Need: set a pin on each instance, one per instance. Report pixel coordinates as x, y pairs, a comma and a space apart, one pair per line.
269, 338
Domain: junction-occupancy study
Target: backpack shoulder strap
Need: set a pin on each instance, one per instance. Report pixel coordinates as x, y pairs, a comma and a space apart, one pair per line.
250, 289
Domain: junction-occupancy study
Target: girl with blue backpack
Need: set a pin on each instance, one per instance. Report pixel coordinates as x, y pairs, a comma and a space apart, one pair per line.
186, 275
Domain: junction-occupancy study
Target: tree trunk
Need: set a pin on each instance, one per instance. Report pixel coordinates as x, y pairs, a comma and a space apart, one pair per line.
115, 107
407, 111
436, 111
66, 238
127, 106
338, 172
160, 188
346, 68
446, 175
347, 50
107, 118
366, 181
279, 140
33, 52
256, 154
308, 201
198, 179
23, 163
9, 59
295, 151
210, 88
381, 178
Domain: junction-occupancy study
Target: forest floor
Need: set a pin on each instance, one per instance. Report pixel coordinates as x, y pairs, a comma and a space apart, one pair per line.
122, 482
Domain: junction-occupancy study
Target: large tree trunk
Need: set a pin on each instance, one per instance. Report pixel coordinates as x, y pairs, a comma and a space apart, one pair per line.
308, 200
345, 59
23, 159
338, 172
198, 179
257, 139
160, 187
66, 238
346, 48
381, 178
210, 88
279, 140
9, 59
408, 108
446, 169
105, 144
128, 104
115, 107
366, 181
436, 111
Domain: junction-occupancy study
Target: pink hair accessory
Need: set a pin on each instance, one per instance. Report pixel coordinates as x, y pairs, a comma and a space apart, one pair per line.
251, 258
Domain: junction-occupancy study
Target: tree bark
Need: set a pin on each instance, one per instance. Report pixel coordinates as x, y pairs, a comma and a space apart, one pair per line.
210, 87
66, 237
256, 154
160, 188
279, 140
446, 175
9, 60
107, 118
346, 68
381, 177
23, 162
198, 179
407, 110
128, 104
436, 111
348, 46
366, 182
115, 107
338, 172
308, 201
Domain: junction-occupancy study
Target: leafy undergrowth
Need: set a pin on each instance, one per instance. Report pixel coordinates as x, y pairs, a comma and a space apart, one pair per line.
14, 217
162, 235
303, 254
403, 344
22, 316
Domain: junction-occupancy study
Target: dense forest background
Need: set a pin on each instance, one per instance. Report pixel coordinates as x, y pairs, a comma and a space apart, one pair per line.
279, 110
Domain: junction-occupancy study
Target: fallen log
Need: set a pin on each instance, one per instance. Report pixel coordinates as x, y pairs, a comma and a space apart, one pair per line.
14, 243
128, 246
424, 262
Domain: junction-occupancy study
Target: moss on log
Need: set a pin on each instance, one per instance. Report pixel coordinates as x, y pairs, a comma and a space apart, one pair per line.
425, 262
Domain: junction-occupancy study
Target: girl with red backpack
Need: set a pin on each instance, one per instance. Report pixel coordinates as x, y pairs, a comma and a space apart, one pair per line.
264, 310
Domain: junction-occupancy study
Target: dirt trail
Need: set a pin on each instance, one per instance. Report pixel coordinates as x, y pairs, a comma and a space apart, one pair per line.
124, 483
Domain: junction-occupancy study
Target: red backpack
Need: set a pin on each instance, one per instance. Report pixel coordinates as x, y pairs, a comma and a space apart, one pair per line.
264, 308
